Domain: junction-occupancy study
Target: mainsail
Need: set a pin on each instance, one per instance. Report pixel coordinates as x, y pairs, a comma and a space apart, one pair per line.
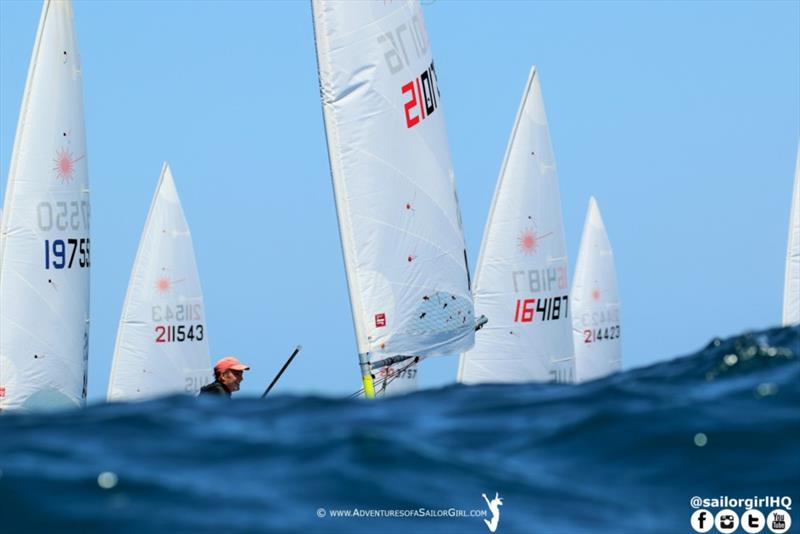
595, 303
399, 220
162, 343
397, 379
791, 283
44, 234
521, 279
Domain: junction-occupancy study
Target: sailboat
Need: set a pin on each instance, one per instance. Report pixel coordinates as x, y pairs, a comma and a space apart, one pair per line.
521, 277
791, 283
162, 342
595, 303
399, 220
44, 233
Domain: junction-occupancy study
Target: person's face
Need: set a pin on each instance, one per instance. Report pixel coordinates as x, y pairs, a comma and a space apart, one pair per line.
232, 379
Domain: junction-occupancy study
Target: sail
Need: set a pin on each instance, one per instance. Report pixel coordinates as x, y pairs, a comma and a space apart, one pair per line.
521, 279
397, 379
44, 239
162, 342
398, 213
791, 283
595, 303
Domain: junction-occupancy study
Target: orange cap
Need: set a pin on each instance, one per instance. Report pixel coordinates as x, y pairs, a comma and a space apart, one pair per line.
229, 362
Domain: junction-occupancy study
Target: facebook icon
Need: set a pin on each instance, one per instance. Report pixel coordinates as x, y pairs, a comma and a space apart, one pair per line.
702, 521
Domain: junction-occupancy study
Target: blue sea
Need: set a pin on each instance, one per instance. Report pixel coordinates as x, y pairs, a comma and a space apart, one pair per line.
623, 454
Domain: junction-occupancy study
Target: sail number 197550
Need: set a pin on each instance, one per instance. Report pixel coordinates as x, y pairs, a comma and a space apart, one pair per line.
66, 254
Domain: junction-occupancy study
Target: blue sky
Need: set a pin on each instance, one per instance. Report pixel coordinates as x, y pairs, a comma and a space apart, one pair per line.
681, 118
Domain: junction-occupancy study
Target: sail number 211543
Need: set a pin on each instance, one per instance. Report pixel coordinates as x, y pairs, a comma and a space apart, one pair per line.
178, 333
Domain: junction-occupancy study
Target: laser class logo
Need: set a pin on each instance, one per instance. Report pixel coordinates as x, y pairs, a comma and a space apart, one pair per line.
494, 506
65, 160
164, 283
529, 239
64, 165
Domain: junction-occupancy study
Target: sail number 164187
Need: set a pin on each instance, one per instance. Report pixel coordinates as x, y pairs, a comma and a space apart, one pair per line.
549, 309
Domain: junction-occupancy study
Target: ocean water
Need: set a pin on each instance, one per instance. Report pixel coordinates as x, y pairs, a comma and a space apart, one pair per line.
621, 454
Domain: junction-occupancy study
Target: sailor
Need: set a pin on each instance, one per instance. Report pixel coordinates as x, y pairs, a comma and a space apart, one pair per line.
228, 374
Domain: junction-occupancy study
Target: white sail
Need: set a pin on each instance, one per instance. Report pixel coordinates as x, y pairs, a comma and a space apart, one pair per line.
397, 379
399, 220
521, 280
162, 343
791, 283
595, 303
44, 238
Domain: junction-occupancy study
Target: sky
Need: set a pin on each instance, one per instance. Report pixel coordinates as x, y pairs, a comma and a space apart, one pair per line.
681, 118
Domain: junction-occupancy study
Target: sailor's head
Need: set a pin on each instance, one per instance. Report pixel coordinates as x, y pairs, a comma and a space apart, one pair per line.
230, 372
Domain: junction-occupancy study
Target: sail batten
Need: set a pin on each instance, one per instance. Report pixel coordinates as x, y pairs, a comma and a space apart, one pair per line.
521, 278
162, 342
44, 230
399, 222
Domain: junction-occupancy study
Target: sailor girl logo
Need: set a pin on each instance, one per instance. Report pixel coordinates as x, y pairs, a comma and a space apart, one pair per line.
494, 506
